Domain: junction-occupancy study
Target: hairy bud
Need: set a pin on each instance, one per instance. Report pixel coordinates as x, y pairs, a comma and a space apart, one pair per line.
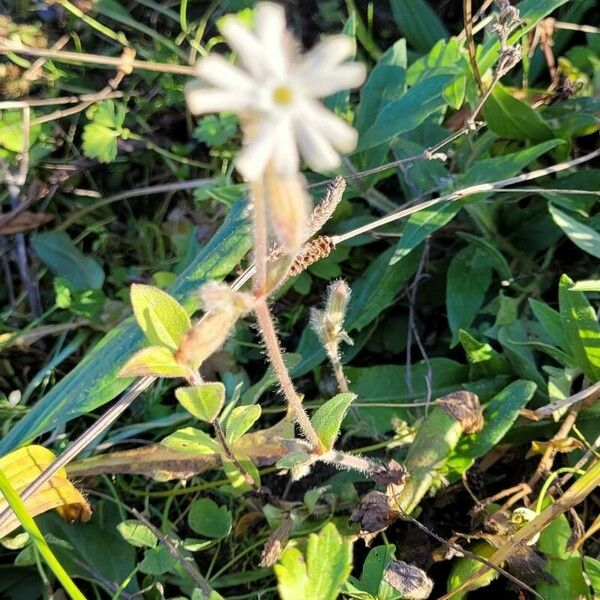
329, 323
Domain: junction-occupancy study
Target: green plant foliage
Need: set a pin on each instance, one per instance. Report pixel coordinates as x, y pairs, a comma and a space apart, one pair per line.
204, 400
105, 127
153, 360
192, 440
327, 420
320, 573
162, 319
137, 534
418, 22
63, 258
208, 519
240, 420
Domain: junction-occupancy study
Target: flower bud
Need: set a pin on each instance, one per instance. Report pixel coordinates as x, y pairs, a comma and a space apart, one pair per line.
329, 323
288, 210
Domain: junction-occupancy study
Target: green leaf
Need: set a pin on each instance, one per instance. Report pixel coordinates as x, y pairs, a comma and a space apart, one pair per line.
58, 252
592, 570
514, 119
293, 459
513, 339
204, 400
464, 568
586, 285
400, 116
485, 361
192, 440
94, 381
377, 288
100, 135
137, 534
162, 319
86, 303
157, 561
216, 130
386, 386
328, 418
373, 569
418, 22
240, 420
499, 415
321, 573
208, 519
469, 276
454, 92
580, 325
550, 321
581, 235
153, 360
563, 564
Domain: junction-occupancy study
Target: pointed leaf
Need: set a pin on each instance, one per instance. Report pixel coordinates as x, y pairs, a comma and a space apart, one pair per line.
550, 321
162, 319
581, 235
204, 401
580, 325
192, 440
240, 420
153, 360
328, 419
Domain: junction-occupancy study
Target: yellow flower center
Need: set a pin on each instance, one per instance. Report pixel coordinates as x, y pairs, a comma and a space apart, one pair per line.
282, 95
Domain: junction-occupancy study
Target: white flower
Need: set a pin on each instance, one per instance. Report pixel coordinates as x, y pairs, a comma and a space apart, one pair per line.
275, 91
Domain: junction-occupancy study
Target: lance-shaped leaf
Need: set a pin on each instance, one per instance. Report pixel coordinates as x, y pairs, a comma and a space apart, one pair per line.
21, 467
328, 419
162, 319
581, 328
204, 400
153, 360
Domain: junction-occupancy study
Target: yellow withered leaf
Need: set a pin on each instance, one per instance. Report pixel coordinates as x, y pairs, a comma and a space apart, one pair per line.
21, 467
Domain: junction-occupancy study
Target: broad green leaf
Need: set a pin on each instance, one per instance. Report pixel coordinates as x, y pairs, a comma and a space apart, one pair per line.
580, 325
11, 131
157, 561
137, 534
162, 319
592, 570
208, 519
386, 387
469, 276
100, 135
454, 92
586, 285
204, 400
420, 101
58, 252
321, 573
96, 543
581, 235
94, 381
328, 418
237, 481
419, 23
154, 360
484, 360
386, 83
496, 257
499, 414
563, 564
514, 119
464, 568
240, 420
374, 567
192, 440
550, 321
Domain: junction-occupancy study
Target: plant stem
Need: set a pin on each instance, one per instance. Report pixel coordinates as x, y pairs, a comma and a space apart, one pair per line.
18, 507
265, 320
334, 358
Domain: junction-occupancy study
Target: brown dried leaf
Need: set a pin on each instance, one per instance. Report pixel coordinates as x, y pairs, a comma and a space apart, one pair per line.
412, 582
465, 408
24, 221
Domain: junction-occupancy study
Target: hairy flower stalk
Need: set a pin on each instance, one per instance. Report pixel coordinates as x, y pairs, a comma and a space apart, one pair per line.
274, 90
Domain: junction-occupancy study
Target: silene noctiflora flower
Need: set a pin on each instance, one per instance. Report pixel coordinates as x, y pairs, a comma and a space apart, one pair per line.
275, 91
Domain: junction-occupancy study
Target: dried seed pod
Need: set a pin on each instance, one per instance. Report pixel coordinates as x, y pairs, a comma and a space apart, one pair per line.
313, 251
412, 582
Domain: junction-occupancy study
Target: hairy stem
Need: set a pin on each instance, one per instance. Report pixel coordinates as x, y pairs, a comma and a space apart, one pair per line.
265, 320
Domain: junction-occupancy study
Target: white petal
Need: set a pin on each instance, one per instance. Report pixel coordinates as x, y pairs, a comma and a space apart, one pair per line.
254, 157
270, 30
325, 82
315, 149
245, 44
201, 99
340, 135
285, 157
331, 51
216, 70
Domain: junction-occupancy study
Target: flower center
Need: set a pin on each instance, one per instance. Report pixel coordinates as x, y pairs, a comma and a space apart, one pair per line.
282, 95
